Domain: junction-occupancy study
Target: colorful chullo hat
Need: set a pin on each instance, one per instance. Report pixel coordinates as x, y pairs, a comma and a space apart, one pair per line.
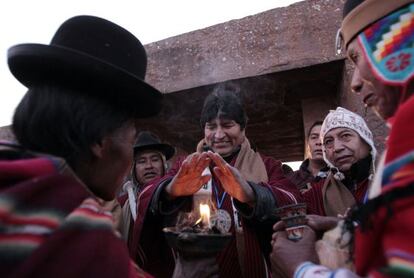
388, 45
385, 32
360, 14
342, 117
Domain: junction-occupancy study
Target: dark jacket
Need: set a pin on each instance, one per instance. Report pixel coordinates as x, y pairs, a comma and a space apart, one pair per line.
303, 178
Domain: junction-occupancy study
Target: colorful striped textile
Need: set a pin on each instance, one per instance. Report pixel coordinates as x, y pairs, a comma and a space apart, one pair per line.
89, 215
314, 197
401, 263
52, 226
384, 245
388, 46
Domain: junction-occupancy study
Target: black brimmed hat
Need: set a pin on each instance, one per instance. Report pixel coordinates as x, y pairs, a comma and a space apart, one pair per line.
92, 54
149, 141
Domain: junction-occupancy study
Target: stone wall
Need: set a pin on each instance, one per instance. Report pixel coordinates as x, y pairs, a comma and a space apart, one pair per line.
283, 61
296, 36
6, 133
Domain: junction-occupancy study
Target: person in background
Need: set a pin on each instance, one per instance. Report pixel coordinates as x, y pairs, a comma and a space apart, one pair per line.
378, 37
150, 162
350, 153
286, 169
314, 167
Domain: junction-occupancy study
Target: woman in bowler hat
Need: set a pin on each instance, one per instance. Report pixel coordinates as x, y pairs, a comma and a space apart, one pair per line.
76, 130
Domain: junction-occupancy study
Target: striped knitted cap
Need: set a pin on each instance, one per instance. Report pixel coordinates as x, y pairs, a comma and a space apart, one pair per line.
342, 117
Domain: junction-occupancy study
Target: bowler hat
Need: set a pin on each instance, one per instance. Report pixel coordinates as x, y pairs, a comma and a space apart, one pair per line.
149, 141
92, 54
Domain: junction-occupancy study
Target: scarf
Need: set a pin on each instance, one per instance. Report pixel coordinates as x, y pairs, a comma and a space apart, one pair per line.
248, 162
252, 168
337, 196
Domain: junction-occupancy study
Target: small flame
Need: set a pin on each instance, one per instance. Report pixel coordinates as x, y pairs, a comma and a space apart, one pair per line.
205, 215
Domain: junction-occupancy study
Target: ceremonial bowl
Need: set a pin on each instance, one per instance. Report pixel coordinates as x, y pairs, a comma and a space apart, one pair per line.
196, 244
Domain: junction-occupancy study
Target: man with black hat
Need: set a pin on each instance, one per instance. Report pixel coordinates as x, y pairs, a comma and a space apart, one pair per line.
76, 129
378, 36
151, 158
150, 162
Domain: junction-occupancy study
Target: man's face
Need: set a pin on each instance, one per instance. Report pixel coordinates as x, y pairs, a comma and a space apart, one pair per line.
112, 161
148, 166
223, 136
381, 98
344, 147
314, 143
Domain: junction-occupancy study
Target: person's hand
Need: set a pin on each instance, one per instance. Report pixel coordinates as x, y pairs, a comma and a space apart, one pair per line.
321, 223
287, 255
189, 178
232, 181
279, 226
187, 267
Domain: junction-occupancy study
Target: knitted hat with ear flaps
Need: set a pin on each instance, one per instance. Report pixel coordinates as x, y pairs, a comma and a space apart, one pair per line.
344, 118
94, 56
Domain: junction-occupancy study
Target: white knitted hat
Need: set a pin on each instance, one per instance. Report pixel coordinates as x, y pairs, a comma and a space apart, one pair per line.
342, 117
